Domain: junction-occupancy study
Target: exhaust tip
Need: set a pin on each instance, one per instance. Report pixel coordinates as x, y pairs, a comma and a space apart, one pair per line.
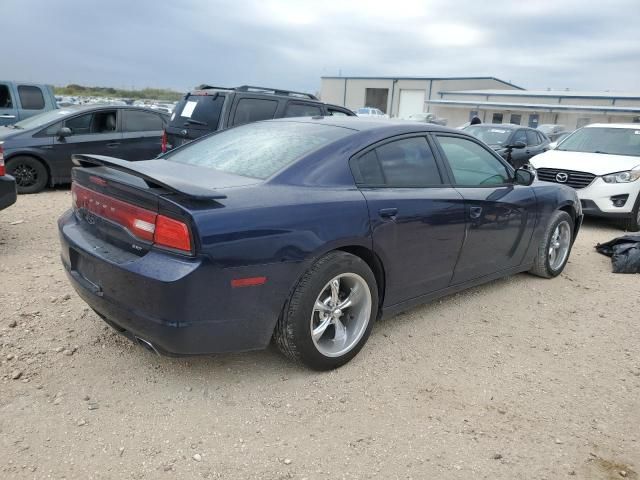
147, 345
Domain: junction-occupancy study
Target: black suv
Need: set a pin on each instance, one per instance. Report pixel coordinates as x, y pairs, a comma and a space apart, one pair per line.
209, 109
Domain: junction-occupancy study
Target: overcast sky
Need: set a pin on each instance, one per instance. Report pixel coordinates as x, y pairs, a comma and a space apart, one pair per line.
577, 44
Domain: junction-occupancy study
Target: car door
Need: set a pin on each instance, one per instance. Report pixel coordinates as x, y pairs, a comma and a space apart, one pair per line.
141, 134
92, 133
8, 105
519, 156
500, 215
536, 143
417, 221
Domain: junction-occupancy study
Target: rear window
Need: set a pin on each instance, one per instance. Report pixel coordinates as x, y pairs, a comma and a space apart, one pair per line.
257, 150
198, 111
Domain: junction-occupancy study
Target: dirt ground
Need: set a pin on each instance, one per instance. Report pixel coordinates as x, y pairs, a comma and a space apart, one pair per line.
521, 378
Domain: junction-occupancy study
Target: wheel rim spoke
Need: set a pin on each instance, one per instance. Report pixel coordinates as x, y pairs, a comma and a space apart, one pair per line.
341, 333
335, 291
350, 300
322, 307
317, 332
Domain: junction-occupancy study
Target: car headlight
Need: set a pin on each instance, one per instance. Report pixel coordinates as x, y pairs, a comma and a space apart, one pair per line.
623, 177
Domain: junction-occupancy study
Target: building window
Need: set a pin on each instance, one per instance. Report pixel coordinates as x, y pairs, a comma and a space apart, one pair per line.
636, 120
516, 118
377, 98
473, 113
497, 118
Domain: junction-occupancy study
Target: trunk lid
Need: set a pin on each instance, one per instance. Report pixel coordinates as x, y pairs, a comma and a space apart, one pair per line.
138, 206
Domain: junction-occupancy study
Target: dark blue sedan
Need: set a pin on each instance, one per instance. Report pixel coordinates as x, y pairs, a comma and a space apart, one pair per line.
302, 230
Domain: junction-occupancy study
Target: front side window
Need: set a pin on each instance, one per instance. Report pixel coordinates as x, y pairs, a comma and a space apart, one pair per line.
471, 164
337, 113
254, 109
257, 150
31, 98
532, 138
302, 110
519, 136
137, 121
403, 163
80, 125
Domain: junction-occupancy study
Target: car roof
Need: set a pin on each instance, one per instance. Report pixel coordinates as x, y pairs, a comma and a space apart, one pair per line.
505, 126
361, 124
633, 126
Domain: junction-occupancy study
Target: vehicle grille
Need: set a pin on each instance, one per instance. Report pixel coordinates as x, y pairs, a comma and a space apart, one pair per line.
575, 179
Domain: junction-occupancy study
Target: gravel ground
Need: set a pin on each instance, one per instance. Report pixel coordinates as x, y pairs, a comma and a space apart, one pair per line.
520, 378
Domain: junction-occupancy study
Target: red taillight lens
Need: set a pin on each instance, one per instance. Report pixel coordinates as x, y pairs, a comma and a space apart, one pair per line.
142, 223
164, 141
172, 233
3, 170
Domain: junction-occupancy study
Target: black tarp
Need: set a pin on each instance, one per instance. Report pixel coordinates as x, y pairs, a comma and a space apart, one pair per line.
624, 253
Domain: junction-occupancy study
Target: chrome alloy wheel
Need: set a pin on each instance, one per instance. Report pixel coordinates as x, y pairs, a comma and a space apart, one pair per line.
341, 314
559, 245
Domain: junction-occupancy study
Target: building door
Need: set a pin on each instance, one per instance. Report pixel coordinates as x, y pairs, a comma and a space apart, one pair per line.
533, 120
411, 101
377, 98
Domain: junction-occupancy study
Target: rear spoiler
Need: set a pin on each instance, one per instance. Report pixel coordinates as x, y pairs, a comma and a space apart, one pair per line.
153, 177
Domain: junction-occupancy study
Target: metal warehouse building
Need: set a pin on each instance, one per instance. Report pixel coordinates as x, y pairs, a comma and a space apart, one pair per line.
458, 99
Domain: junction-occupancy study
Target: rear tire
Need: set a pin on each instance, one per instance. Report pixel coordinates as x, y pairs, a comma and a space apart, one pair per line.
555, 246
30, 174
330, 314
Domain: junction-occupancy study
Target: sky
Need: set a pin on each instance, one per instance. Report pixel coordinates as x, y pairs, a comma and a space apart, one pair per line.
536, 44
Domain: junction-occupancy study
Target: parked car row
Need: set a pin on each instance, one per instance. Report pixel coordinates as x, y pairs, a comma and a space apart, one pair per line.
600, 161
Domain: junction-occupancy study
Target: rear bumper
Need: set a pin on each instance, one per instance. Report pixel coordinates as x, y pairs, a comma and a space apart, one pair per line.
8, 191
182, 306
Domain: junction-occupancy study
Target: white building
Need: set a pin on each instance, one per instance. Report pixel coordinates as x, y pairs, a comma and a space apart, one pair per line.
458, 99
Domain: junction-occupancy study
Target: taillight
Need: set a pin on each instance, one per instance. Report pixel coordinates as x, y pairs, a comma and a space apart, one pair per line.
165, 140
140, 222
172, 233
3, 170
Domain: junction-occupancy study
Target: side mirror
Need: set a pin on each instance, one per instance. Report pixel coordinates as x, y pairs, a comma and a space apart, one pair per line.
524, 176
519, 144
64, 132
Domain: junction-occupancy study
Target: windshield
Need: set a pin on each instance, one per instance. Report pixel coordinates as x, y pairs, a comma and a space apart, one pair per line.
489, 135
42, 119
257, 150
550, 128
363, 110
616, 141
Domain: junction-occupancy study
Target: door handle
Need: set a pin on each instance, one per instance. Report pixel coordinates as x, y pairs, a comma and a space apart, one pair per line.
113, 144
7, 116
475, 212
388, 212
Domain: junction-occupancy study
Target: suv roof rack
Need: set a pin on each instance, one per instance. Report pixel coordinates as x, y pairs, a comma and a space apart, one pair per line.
264, 90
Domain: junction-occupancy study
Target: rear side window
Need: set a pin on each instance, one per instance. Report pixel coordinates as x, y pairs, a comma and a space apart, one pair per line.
137, 121
31, 97
471, 164
198, 111
404, 163
254, 109
257, 150
302, 110
5, 97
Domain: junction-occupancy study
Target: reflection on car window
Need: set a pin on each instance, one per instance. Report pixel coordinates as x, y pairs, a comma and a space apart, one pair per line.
616, 141
520, 136
403, 163
257, 150
472, 165
490, 135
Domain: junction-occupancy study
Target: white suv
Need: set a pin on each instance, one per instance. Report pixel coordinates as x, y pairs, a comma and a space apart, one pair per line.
602, 162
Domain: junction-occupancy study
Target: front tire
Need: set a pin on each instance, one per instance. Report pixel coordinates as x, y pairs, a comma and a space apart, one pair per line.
555, 247
30, 174
330, 314
632, 224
